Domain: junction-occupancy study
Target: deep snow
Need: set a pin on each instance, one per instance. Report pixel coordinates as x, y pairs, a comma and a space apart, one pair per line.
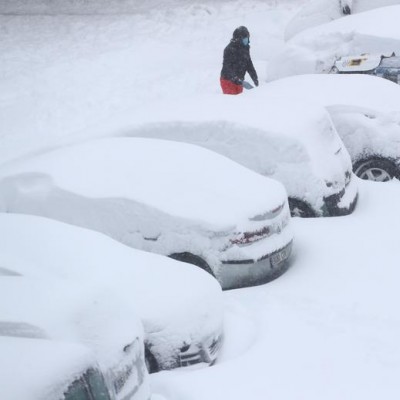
318, 12
66, 77
329, 328
316, 49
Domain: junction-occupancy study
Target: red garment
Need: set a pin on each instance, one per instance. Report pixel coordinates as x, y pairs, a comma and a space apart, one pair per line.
229, 87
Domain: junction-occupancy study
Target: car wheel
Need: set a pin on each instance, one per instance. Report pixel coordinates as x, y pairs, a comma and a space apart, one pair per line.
299, 208
376, 169
334, 70
346, 10
151, 362
192, 259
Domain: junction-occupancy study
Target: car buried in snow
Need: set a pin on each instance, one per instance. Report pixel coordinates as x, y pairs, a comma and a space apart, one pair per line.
40, 369
318, 12
365, 112
165, 197
302, 151
180, 306
315, 50
51, 309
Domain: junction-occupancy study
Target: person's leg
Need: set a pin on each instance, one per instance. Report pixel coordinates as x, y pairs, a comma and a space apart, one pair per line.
239, 89
229, 87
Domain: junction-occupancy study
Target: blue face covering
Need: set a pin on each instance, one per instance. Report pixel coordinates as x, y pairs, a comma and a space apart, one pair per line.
245, 41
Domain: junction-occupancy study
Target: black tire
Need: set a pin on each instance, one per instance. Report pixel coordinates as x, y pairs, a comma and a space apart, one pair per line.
376, 169
151, 362
192, 259
299, 208
346, 10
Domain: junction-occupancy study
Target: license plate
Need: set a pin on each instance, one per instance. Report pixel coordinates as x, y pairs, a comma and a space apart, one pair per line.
279, 257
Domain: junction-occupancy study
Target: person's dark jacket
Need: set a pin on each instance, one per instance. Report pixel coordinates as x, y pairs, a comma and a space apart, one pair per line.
237, 62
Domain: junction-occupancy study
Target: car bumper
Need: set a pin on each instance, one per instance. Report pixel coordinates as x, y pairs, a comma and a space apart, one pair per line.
206, 352
243, 273
343, 202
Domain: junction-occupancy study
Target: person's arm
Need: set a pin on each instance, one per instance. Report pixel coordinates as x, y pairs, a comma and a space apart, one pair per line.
252, 71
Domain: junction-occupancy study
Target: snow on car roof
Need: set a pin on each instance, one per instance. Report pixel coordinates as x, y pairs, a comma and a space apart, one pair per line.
356, 90
253, 109
278, 130
39, 369
68, 312
317, 12
177, 179
317, 49
167, 295
364, 24
363, 107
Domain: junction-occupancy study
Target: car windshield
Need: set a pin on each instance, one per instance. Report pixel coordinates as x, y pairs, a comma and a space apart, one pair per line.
90, 386
77, 391
390, 62
97, 385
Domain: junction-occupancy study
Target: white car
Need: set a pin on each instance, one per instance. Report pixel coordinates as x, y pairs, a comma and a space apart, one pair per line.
317, 12
365, 112
40, 308
42, 369
164, 197
180, 306
293, 143
315, 50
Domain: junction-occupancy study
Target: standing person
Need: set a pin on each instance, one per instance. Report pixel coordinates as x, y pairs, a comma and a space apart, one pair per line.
237, 62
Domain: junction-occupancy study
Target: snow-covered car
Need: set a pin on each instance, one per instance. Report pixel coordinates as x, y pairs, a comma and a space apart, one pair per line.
384, 66
180, 306
293, 143
315, 50
42, 369
164, 197
365, 112
317, 12
95, 317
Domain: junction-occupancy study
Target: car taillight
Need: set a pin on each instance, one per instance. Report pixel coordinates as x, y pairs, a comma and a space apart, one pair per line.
348, 177
250, 237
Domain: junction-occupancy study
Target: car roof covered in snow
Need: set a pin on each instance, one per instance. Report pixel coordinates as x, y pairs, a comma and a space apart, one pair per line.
40, 369
316, 49
65, 311
329, 90
317, 12
364, 23
169, 296
176, 179
255, 109
276, 131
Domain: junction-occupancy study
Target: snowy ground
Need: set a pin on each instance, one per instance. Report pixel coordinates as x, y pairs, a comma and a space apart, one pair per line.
64, 77
328, 329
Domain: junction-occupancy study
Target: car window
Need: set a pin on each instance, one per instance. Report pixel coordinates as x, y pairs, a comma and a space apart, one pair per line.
77, 391
97, 385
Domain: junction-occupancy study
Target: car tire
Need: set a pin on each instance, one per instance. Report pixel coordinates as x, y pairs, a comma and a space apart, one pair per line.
346, 10
151, 362
376, 169
299, 208
192, 259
